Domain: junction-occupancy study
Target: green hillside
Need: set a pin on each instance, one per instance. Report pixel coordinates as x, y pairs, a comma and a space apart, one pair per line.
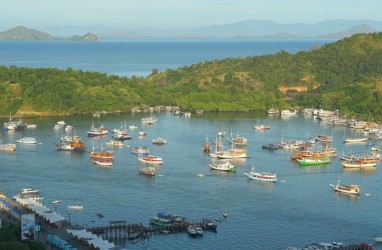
345, 75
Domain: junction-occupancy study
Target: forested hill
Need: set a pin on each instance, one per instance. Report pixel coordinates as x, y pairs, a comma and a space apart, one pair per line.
345, 75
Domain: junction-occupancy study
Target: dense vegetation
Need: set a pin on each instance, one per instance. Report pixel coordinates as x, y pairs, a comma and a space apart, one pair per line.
10, 240
345, 75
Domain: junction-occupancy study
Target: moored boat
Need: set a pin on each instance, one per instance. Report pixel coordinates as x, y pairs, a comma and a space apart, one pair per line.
273, 111
261, 127
29, 191
225, 166
348, 189
150, 159
74, 144
159, 141
106, 162
27, 140
324, 138
147, 171
359, 163
97, 131
231, 153
140, 150
356, 140
313, 161
264, 176
114, 143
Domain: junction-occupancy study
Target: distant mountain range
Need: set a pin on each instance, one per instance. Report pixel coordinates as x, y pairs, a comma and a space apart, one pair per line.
249, 29
21, 33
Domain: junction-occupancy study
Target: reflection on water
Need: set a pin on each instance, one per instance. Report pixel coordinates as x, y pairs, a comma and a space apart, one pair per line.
351, 197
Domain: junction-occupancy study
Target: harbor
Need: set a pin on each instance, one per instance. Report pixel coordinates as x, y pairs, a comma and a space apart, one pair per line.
276, 212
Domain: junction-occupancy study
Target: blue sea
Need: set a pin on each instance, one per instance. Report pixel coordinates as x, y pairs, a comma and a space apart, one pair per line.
138, 58
299, 209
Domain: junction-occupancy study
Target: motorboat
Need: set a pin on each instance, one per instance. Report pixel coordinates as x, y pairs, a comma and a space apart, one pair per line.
195, 230
97, 131
264, 176
27, 140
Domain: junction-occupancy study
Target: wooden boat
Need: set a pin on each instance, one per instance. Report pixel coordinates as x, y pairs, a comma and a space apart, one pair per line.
140, 150
74, 144
359, 163
27, 140
101, 155
226, 166
313, 161
206, 147
150, 159
264, 176
232, 153
324, 138
147, 171
348, 189
159, 141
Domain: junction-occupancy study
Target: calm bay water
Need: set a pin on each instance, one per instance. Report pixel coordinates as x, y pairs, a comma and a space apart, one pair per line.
137, 58
299, 209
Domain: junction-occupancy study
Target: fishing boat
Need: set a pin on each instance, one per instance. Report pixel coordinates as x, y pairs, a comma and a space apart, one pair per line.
140, 150
264, 176
359, 163
147, 171
225, 166
310, 161
150, 159
27, 140
159, 141
348, 189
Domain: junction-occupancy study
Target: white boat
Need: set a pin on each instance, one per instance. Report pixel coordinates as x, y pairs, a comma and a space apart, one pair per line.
348, 189
150, 159
26, 191
31, 125
149, 120
226, 166
264, 176
105, 162
159, 141
273, 111
195, 230
378, 239
261, 127
68, 128
76, 208
140, 150
288, 112
27, 140
133, 127
115, 143
356, 140
324, 138
56, 202
61, 123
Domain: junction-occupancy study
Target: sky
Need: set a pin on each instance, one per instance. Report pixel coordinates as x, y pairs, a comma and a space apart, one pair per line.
166, 14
